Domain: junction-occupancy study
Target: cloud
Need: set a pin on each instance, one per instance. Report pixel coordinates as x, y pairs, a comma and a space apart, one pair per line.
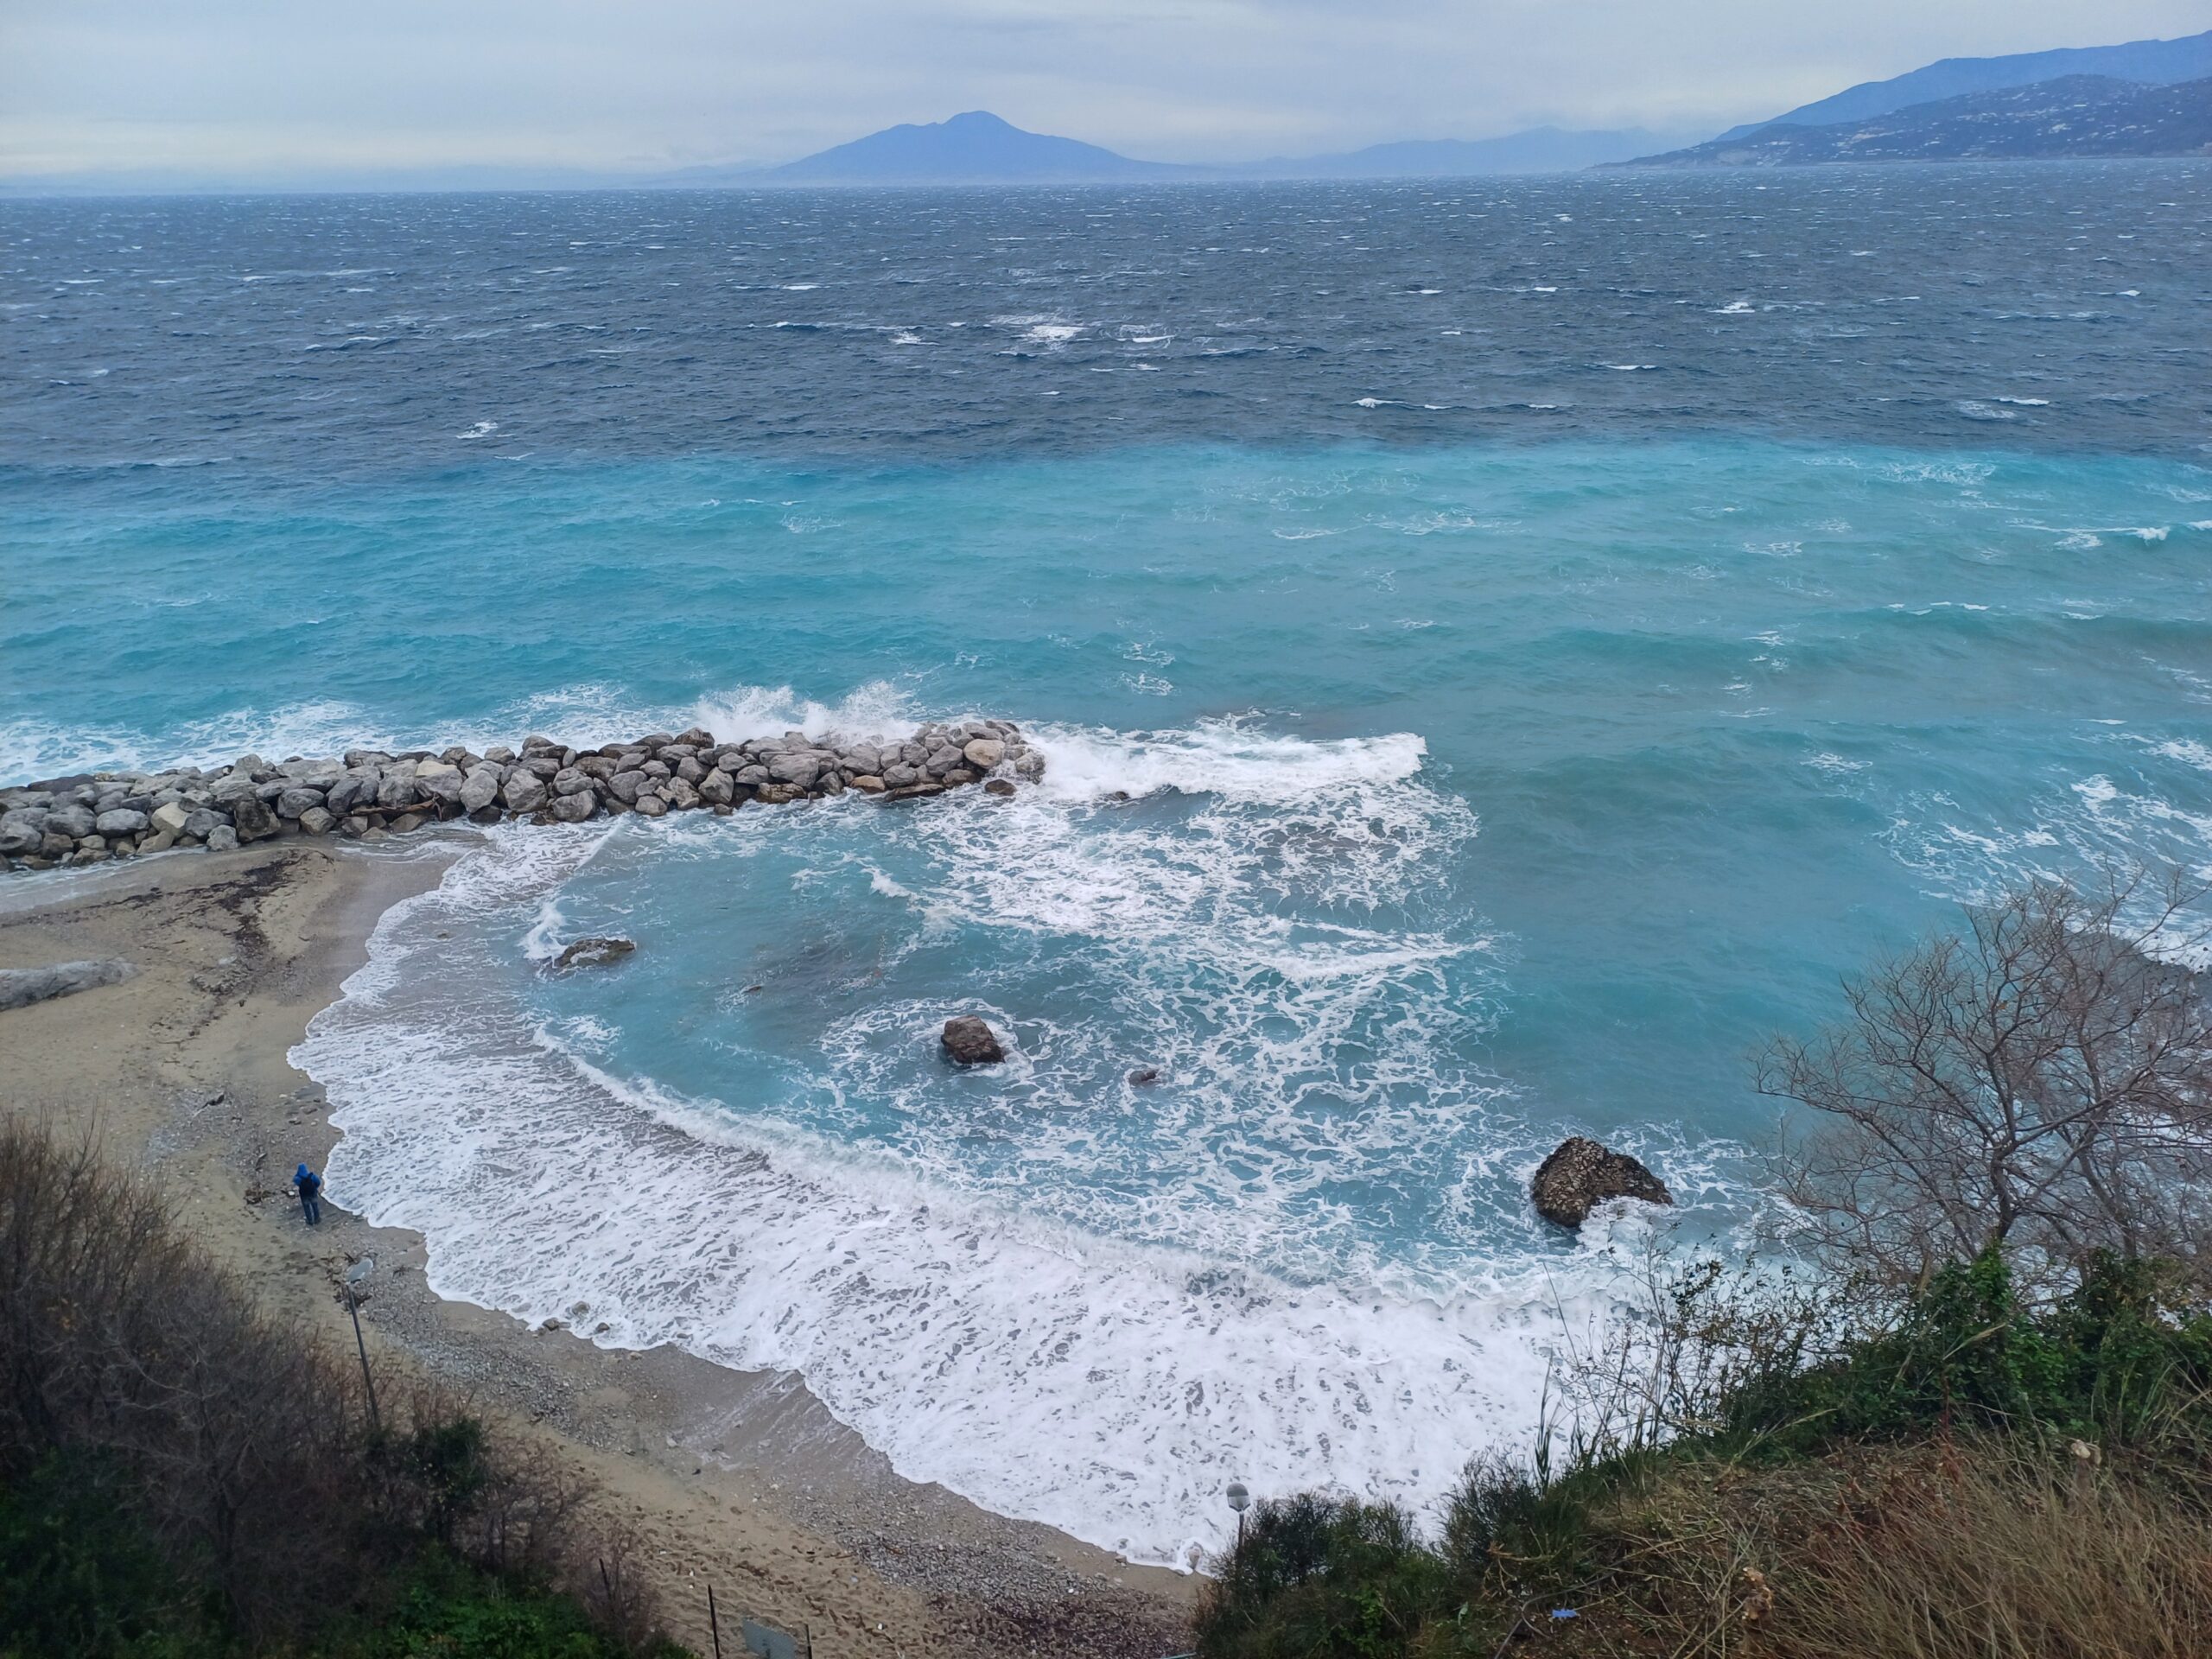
278, 87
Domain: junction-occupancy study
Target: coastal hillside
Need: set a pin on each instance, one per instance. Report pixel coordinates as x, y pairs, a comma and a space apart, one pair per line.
2078, 115
2153, 63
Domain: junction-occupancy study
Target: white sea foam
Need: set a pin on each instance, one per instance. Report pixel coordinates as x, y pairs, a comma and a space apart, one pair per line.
1229, 757
1110, 1383
878, 709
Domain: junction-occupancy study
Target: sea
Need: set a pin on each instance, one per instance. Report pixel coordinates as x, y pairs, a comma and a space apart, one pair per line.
1503, 649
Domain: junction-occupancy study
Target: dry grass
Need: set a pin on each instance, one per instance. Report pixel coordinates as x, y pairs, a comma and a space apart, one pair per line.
1978, 1550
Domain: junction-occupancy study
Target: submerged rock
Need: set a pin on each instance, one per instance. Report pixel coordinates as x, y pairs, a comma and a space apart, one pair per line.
971, 1042
1581, 1174
592, 953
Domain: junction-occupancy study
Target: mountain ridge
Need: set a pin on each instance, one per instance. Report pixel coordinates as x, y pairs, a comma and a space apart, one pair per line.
2187, 57
2078, 115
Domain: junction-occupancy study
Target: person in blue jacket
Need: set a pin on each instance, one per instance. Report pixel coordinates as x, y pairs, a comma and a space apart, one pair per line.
310, 1185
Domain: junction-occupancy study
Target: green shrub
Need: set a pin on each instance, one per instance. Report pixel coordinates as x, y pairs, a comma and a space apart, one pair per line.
2122, 1355
1319, 1576
80, 1574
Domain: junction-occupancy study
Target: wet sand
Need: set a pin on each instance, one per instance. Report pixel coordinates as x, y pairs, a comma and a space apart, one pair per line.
741, 1480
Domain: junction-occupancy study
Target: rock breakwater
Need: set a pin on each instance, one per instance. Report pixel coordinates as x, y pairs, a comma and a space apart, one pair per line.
368, 794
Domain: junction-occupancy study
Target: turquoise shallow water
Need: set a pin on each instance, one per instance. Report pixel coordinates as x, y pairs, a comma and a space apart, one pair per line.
1479, 795
1546, 633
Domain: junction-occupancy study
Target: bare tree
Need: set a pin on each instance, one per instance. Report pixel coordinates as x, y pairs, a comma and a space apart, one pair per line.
2042, 1081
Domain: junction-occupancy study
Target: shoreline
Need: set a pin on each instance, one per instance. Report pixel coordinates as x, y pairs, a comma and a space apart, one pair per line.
742, 1479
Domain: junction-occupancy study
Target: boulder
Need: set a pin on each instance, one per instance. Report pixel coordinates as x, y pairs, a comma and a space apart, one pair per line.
316, 821
625, 785
253, 817
575, 808
355, 788
1581, 1174
525, 792
119, 821
202, 822
222, 839
171, 818
439, 780
998, 786
984, 753
293, 802
479, 788
592, 953
651, 805
969, 1041
716, 789
20, 987
73, 820
799, 770
21, 832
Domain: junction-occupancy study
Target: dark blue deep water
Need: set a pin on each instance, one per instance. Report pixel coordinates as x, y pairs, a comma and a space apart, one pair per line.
1550, 631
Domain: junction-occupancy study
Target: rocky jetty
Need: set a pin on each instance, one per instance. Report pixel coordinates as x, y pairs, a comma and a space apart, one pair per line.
367, 794
1581, 1173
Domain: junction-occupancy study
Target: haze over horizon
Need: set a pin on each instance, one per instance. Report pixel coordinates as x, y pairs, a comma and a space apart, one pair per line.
249, 88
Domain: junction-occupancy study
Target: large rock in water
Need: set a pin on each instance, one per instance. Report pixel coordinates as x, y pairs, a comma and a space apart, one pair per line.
1581, 1174
971, 1042
592, 953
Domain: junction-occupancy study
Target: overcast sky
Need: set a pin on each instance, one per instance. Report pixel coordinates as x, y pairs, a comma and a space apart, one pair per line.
295, 86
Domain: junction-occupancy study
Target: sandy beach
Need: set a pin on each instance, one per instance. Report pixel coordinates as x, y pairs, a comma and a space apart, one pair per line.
740, 1480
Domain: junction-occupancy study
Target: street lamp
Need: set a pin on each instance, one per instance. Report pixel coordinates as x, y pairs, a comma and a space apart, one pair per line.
1239, 1500
355, 1276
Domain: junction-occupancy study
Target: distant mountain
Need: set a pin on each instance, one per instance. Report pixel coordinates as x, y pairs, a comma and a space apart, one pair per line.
976, 148
2151, 62
2074, 115
1540, 149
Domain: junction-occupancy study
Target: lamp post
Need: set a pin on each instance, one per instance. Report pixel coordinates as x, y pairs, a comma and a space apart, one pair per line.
354, 1277
1239, 1500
